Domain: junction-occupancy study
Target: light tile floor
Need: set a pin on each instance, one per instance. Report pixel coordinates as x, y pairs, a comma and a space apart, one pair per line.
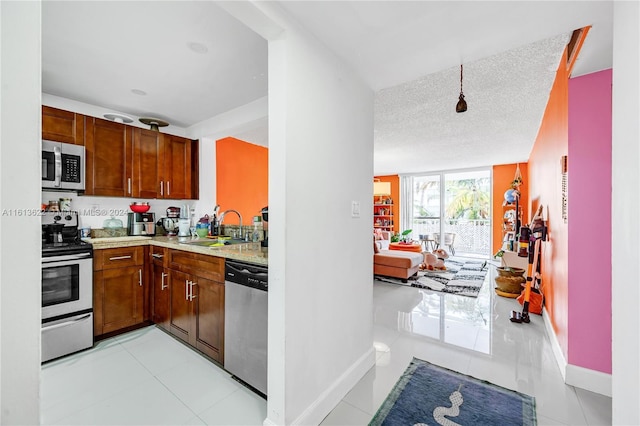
148, 377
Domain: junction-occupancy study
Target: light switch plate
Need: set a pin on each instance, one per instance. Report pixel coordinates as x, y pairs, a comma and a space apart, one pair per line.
355, 209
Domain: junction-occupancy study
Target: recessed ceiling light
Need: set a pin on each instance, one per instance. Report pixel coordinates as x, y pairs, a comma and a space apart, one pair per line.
138, 92
198, 47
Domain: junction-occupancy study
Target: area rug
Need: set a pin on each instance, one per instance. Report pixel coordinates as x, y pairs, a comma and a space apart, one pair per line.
463, 277
427, 394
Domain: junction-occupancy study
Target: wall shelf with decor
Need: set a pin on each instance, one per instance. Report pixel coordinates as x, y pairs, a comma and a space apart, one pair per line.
383, 216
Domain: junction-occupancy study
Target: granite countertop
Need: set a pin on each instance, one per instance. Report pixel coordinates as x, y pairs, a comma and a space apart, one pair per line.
248, 252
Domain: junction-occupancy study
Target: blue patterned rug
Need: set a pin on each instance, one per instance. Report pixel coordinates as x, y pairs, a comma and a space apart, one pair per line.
428, 395
463, 277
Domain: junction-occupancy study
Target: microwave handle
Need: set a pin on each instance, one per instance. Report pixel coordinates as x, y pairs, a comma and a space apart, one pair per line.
57, 155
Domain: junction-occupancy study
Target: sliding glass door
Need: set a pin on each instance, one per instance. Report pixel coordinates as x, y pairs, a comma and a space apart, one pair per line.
452, 210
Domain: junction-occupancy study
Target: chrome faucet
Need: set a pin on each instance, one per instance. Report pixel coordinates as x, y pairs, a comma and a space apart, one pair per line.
224, 213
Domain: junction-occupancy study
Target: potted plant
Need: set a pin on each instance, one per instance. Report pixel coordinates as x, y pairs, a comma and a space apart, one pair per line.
402, 238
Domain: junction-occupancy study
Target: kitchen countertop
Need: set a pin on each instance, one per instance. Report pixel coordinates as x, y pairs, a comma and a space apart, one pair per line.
248, 252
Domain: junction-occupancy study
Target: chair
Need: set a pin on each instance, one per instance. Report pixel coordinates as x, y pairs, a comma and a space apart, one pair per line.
449, 238
382, 238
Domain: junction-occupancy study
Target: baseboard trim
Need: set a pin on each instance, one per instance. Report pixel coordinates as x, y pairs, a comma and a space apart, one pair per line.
318, 410
591, 380
555, 345
584, 378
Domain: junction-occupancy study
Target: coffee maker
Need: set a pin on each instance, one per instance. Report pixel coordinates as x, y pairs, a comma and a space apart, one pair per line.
265, 228
141, 224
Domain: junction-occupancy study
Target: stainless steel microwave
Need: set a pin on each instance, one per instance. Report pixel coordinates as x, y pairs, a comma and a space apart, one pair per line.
63, 166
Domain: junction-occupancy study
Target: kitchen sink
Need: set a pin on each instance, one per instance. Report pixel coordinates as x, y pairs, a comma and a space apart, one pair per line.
213, 243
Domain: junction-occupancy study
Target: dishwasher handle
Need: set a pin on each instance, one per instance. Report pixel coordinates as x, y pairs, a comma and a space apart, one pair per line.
254, 276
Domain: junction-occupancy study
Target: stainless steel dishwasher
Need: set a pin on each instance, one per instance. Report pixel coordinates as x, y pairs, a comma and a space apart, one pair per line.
245, 323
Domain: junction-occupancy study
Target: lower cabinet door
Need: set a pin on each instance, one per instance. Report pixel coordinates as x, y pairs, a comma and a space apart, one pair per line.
182, 308
209, 317
122, 297
161, 297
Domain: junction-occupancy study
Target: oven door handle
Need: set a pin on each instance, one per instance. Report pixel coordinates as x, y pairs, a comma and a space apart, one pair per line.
66, 323
56, 259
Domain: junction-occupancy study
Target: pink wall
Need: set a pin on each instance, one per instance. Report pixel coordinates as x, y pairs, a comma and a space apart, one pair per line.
589, 207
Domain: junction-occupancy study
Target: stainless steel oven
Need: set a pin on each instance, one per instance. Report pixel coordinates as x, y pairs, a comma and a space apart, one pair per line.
66, 284
67, 290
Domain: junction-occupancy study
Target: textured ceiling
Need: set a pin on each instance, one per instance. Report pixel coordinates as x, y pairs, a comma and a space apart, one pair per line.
417, 128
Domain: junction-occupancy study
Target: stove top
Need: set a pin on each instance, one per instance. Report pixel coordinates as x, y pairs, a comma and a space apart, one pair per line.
71, 243
56, 249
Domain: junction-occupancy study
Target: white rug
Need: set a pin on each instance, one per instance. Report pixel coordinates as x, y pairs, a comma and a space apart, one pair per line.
463, 277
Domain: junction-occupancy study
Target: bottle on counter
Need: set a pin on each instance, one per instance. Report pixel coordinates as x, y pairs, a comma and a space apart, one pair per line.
256, 233
215, 226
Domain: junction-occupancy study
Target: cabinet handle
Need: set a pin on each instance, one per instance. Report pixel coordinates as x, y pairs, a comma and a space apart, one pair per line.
120, 257
140, 279
186, 289
129, 186
191, 296
161, 188
168, 189
162, 286
157, 255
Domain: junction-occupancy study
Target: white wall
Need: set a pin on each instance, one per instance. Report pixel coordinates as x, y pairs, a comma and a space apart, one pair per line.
625, 206
20, 154
320, 258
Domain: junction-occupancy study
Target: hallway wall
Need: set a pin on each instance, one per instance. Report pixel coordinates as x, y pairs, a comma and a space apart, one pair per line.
545, 189
590, 221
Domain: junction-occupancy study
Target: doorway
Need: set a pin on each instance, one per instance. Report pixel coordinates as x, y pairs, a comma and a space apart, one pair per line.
456, 205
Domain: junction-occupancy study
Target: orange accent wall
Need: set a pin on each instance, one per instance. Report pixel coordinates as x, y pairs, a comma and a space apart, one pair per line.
502, 177
545, 176
395, 195
242, 178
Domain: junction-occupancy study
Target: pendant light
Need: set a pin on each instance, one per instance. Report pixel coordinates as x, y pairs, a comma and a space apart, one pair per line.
461, 106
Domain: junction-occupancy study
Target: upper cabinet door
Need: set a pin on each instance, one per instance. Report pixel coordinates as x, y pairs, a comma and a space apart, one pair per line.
180, 167
62, 126
147, 164
108, 157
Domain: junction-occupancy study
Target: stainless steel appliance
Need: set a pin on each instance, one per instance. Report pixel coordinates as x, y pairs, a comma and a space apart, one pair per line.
141, 224
67, 287
170, 223
245, 323
63, 166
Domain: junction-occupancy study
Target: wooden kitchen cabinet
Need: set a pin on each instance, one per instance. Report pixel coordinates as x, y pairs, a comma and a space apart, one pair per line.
119, 290
197, 301
182, 309
209, 319
127, 161
161, 292
62, 126
180, 167
108, 158
164, 166
147, 164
